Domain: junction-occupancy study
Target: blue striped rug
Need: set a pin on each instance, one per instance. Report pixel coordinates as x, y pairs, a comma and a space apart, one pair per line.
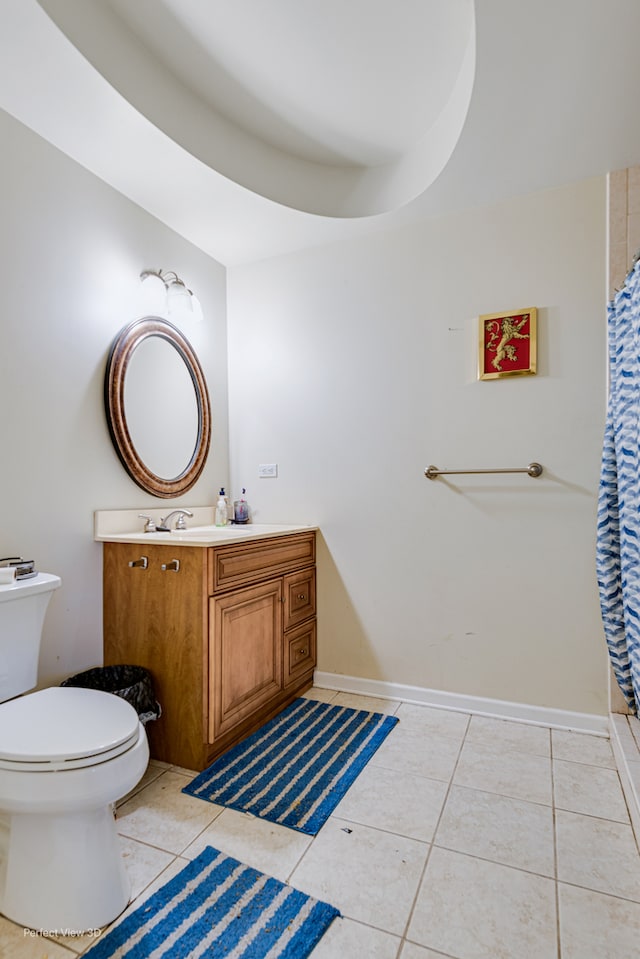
217, 908
295, 770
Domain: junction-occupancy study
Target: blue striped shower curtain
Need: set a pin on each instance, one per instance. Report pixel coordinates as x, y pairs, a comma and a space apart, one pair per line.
618, 542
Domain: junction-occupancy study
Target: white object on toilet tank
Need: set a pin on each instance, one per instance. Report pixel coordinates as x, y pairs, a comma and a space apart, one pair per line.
23, 605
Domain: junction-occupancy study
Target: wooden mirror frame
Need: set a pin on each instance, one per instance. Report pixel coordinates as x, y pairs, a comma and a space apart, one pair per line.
119, 357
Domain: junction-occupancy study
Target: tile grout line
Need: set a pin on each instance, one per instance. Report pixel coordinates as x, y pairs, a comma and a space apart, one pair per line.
313, 838
429, 844
435, 831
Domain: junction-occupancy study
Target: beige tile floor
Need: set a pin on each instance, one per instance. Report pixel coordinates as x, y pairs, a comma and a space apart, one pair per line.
464, 838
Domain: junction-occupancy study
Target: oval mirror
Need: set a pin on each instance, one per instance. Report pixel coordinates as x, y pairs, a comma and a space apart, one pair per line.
157, 407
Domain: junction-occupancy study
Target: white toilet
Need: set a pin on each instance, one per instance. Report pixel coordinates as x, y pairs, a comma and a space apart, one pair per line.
66, 754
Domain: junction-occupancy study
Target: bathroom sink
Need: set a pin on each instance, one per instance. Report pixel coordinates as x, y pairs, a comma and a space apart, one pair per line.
212, 534
125, 526
214, 530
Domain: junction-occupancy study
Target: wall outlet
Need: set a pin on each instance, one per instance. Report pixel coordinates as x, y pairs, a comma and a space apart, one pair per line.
267, 470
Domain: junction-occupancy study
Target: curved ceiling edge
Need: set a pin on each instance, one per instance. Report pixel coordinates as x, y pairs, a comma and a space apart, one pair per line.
326, 190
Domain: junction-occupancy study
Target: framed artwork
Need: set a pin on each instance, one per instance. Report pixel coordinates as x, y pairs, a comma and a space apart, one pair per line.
507, 344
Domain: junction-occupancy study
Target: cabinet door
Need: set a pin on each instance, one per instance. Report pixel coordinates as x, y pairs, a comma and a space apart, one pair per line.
157, 618
245, 649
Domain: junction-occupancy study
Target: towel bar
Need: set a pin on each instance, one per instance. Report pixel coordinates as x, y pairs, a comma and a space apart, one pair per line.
533, 469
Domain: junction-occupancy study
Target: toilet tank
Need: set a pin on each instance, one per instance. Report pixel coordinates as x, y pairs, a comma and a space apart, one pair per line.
23, 604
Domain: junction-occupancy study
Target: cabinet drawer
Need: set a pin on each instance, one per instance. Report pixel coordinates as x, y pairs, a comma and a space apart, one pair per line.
299, 651
239, 564
299, 597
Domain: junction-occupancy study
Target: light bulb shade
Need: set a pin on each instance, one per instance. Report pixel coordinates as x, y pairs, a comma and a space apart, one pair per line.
153, 294
165, 294
179, 301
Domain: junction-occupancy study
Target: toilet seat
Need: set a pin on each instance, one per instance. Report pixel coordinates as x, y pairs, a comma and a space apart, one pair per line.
65, 728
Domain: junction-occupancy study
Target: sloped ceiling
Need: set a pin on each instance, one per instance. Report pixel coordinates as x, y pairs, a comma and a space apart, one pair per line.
256, 128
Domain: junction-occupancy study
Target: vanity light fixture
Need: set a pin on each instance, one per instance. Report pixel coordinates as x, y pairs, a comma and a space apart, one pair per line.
166, 294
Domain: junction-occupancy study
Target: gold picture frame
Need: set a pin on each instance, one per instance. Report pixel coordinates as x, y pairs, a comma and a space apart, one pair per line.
507, 344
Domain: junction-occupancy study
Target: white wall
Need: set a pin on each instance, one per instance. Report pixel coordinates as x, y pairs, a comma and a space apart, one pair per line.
353, 368
71, 250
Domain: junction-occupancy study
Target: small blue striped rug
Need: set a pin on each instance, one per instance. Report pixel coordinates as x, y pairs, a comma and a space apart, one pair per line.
295, 770
217, 908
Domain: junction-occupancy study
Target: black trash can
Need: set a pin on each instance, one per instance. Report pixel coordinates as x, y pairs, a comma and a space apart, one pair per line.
133, 683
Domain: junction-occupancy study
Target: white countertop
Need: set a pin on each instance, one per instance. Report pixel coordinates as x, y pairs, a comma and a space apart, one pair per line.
125, 526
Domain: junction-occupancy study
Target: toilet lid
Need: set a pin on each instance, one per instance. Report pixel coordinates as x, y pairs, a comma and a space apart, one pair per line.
66, 725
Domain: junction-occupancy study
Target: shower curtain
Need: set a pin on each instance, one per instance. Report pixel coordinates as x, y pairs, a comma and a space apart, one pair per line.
618, 539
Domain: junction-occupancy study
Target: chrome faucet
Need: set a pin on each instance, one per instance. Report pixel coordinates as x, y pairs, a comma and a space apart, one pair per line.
164, 527
149, 526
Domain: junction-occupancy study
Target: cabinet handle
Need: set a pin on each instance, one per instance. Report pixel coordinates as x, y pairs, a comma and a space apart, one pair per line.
142, 563
171, 567
302, 652
302, 596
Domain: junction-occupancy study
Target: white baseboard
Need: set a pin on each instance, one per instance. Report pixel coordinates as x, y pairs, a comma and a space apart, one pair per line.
495, 708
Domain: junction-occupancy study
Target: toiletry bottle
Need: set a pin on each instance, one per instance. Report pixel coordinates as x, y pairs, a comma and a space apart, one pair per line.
241, 509
221, 509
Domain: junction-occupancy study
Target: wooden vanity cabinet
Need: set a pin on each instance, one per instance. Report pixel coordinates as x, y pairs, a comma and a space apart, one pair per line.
229, 636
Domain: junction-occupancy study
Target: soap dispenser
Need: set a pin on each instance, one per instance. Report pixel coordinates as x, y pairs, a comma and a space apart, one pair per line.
241, 509
221, 509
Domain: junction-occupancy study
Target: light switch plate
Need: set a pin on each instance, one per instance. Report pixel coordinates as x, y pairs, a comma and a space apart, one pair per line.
267, 470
